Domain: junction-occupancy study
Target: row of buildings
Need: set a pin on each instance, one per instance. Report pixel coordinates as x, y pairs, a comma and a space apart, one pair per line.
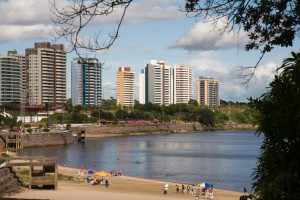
39, 77
161, 84
35, 78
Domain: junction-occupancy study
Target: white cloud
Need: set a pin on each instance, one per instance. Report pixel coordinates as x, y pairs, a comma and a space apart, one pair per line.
202, 37
24, 12
24, 20
142, 11
154, 10
231, 81
17, 33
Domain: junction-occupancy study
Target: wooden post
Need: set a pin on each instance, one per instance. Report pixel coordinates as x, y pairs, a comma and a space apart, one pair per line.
56, 175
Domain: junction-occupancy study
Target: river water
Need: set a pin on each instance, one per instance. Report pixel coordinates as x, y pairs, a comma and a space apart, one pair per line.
224, 158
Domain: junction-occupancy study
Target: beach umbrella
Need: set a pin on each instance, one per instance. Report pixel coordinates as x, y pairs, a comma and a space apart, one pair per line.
102, 173
205, 185
90, 172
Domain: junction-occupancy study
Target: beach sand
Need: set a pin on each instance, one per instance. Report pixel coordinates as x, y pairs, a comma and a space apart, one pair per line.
122, 187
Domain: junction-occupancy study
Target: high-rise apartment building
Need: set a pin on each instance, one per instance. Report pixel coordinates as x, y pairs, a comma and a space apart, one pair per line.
86, 81
208, 92
10, 78
158, 87
46, 67
142, 87
125, 87
23, 74
183, 84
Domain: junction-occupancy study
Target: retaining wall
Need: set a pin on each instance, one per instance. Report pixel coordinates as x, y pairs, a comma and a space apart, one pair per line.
46, 139
128, 129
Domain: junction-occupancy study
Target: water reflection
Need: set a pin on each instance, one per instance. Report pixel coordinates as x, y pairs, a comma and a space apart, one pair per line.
223, 158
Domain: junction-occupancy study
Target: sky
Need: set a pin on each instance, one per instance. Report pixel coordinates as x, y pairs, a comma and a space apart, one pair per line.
152, 30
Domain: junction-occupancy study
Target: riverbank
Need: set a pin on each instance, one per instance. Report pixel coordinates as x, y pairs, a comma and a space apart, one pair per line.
121, 187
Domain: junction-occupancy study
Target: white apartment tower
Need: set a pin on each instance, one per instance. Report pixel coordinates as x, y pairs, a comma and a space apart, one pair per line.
86, 81
125, 87
183, 84
158, 87
208, 91
23, 74
142, 87
10, 78
46, 66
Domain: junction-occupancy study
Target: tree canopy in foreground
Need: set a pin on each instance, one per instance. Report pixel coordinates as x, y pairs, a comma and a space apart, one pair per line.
277, 175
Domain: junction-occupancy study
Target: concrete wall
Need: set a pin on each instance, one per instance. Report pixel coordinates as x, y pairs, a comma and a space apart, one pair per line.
112, 129
46, 139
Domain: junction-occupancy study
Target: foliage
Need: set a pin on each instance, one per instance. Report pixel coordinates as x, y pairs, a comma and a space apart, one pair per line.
121, 114
248, 197
277, 175
103, 115
46, 130
109, 104
10, 121
193, 102
62, 177
238, 117
27, 125
69, 106
221, 118
29, 130
268, 23
207, 117
68, 126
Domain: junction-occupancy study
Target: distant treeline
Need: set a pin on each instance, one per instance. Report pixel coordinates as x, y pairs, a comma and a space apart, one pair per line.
238, 112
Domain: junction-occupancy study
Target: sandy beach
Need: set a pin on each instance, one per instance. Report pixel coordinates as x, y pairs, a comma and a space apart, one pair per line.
121, 187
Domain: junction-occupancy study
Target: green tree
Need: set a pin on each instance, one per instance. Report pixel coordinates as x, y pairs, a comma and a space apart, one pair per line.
221, 117
207, 117
121, 114
268, 23
277, 175
193, 102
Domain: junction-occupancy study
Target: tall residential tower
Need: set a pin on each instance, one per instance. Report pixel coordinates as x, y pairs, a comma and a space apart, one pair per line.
86, 81
208, 92
183, 84
10, 79
46, 67
158, 86
125, 87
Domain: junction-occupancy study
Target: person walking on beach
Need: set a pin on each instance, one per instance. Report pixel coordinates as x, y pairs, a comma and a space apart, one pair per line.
245, 189
177, 189
166, 187
182, 189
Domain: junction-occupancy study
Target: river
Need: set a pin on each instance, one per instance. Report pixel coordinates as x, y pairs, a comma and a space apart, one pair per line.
224, 158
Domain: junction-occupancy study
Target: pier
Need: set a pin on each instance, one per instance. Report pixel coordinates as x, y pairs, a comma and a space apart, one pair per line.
43, 171
79, 132
12, 140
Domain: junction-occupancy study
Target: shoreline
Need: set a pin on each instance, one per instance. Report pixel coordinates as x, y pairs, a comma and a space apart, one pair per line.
122, 187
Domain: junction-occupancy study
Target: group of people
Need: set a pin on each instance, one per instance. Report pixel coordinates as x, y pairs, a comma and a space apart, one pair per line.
94, 181
188, 189
114, 173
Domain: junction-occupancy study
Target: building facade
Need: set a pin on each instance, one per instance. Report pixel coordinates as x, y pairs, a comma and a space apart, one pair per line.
23, 74
46, 67
86, 81
158, 86
183, 84
125, 87
208, 92
142, 87
10, 79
